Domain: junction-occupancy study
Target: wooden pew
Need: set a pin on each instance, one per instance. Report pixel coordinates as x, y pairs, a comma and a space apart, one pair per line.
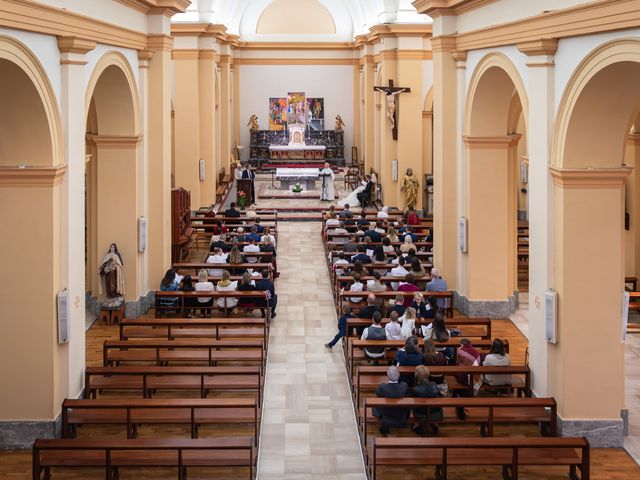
508, 452
148, 379
165, 352
344, 296
131, 413
368, 378
339, 280
355, 347
449, 322
193, 268
114, 454
255, 297
485, 412
172, 328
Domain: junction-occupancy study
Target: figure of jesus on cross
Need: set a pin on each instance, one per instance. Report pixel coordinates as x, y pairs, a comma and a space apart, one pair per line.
391, 92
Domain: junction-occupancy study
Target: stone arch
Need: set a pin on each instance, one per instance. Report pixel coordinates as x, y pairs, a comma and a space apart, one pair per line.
25, 83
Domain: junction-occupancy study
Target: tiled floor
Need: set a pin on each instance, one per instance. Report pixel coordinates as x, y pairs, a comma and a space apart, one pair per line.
309, 429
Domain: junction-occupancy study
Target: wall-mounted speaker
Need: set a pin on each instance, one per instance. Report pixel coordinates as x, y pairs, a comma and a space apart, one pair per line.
624, 316
463, 235
202, 171
142, 234
551, 315
63, 316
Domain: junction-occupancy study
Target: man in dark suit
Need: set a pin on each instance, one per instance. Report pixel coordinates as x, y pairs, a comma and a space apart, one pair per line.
249, 174
365, 195
231, 211
266, 285
371, 308
375, 237
221, 244
351, 246
363, 257
391, 417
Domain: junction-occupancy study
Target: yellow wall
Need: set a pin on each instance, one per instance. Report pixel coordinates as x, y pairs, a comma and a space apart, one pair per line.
296, 17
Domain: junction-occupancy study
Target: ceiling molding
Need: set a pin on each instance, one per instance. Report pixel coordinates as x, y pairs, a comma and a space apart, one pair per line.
32, 176
163, 7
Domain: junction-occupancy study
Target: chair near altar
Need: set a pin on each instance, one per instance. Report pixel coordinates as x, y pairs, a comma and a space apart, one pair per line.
355, 171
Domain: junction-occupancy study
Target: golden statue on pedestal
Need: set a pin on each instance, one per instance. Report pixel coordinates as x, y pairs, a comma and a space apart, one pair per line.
253, 123
339, 123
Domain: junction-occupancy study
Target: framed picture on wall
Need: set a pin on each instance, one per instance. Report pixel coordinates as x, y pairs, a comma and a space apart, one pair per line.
277, 113
315, 113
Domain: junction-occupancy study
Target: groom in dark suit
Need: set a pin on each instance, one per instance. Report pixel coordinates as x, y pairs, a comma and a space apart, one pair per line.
365, 195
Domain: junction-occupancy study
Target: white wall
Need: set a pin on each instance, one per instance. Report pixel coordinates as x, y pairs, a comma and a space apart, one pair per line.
334, 83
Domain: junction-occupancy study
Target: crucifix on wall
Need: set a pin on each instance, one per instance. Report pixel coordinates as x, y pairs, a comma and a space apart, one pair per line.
391, 93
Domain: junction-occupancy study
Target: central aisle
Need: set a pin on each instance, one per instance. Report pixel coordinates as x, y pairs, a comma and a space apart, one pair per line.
308, 430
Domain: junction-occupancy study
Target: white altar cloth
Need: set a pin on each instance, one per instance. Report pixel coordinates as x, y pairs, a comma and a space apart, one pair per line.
297, 173
287, 148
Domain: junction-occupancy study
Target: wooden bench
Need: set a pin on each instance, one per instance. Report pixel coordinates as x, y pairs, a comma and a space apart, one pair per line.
346, 295
485, 412
148, 379
165, 352
114, 454
135, 412
485, 323
172, 328
254, 297
355, 347
193, 268
368, 378
507, 452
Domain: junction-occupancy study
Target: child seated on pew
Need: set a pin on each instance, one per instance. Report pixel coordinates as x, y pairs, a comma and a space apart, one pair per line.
356, 286
393, 328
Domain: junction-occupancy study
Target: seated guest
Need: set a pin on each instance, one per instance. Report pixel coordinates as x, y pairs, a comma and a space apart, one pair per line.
330, 212
259, 228
169, 283
371, 308
391, 417
226, 285
387, 248
220, 243
432, 308
204, 285
419, 305
412, 218
364, 196
379, 259
409, 285
346, 213
376, 285
393, 328
209, 215
236, 258
340, 261
397, 306
342, 326
351, 245
416, 269
425, 388
410, 256
332, 223
467, 356
219, 228
247, 285
372, 234
340, 230
268, 247
400, 227
408, 323
356, 286
434, 358
409, 356
251, 248
380, 228
374, 332
266, 285
267, 234
363, 219
398, 271
429, 236
240, 236
497, 357
232, 212
383, 213
251, 212
358, 268
217, 257
409, 233
392, 235
254, 235
361, 256
437, 284
437, 330
188, 302
407, 245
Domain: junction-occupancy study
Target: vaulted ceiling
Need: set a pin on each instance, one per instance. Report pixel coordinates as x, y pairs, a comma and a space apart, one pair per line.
351, 17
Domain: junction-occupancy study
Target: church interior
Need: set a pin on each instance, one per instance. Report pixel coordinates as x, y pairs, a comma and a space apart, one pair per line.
210, 190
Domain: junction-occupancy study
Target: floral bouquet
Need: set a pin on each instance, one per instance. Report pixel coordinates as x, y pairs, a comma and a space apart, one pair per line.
242, 199
297, 188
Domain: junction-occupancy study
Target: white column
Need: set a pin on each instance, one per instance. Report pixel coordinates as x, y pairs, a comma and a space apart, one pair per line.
461, 163
72, 269
540, 127
143, 92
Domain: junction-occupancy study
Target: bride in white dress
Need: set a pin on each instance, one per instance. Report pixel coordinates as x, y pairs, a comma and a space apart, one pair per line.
352, 198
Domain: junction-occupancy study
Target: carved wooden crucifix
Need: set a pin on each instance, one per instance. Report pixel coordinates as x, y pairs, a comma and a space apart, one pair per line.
391, 93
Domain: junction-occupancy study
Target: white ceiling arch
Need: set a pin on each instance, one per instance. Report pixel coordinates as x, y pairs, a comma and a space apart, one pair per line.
352, 17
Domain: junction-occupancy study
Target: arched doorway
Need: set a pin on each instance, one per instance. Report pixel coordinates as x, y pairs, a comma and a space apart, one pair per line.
494, 128
596, 114
31, 171
112, 174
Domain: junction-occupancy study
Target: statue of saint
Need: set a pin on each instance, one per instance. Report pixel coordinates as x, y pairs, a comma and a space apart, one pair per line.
253, 123
339, 123
112, 274
409, 188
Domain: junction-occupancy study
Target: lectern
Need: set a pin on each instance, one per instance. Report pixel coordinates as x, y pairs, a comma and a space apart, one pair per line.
246, 186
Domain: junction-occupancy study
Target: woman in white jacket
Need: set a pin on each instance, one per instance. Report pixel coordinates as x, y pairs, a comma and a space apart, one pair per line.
408, 323
226, 285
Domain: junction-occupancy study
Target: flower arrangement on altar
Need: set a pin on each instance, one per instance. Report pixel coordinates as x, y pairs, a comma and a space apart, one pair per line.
297, 188
242, 199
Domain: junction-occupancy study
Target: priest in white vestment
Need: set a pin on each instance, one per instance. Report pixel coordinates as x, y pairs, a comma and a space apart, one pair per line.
327, 190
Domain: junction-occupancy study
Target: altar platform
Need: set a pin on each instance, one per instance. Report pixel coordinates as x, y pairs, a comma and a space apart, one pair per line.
306, 177
287, 153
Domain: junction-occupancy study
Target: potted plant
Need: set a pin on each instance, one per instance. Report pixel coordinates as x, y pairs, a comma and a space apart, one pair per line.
241, 199
297, 188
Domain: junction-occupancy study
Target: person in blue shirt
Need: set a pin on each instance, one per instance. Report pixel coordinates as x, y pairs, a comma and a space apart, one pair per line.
363, 219
259, 228
169, 283
373, 235
253, 235
342, 327
409, 356
363, 257
409, 231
